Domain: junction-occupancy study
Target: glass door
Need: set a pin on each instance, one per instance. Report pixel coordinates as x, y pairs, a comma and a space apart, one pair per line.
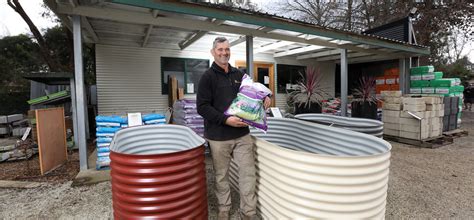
263, 73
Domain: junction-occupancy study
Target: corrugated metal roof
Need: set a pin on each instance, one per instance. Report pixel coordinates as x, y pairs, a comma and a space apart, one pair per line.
170, 24
288, 19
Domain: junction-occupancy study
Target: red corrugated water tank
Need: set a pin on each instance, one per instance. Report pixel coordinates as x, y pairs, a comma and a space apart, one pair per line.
158, 172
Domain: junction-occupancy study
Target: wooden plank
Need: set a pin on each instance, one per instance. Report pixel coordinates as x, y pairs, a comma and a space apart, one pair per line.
52, 146
433, 142
456, 133
18, 184
180, 93
172, 90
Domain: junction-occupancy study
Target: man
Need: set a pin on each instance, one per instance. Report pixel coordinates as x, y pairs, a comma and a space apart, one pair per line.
228, 136
468, 97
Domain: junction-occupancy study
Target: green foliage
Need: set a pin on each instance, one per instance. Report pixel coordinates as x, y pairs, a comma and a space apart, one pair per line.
19, 55
309, 89
365, 92
458, 69
60, 43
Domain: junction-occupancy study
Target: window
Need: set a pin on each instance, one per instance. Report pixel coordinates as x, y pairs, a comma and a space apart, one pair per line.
288, 75
187, 72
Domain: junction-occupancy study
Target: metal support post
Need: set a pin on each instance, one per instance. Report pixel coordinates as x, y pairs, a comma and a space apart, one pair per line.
80, 102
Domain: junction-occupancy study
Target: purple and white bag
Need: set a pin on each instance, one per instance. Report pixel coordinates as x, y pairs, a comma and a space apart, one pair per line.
248, 105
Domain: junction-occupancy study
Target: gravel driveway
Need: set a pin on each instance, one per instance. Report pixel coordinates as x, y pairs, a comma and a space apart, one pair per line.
424, 183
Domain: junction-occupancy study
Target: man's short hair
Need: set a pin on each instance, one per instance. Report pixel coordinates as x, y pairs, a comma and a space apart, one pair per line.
218, 40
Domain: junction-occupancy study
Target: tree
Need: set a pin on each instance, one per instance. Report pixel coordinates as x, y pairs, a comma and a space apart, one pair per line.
61, 46
44, 49
456, 69
56, 45
19, 55
318, 12
454, 45
434, 25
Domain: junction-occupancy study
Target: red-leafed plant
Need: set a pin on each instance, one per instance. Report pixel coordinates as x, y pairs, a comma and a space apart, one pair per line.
366, 90
308, 90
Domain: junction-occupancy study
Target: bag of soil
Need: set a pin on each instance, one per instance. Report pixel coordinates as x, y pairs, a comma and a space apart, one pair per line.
248, 105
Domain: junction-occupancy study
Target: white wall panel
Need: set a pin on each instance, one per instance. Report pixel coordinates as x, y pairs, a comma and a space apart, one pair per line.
129, 78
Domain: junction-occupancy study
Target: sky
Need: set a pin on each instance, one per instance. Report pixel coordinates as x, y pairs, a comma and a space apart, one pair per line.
11, 22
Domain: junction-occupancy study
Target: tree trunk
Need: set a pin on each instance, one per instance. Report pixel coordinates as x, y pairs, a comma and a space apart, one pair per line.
349, 15
53, 65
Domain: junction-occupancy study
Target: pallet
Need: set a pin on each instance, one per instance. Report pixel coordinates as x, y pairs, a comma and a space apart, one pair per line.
432, 143
456, 133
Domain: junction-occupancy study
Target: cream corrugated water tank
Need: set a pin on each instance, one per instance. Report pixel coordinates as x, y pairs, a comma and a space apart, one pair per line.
311, 171
364, 125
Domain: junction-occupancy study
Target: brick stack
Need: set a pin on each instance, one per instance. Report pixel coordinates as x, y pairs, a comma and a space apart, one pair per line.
400, 116
4, 127
15, 125
32, 123
424, 80
388, 82
452, 111
392, 106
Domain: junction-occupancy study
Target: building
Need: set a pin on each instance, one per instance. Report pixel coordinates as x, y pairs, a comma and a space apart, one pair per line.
140, 43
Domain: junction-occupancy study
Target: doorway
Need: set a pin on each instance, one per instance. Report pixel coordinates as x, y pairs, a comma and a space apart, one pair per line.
263, 73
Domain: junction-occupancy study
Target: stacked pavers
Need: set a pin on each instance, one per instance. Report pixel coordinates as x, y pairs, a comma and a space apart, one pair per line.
412, 117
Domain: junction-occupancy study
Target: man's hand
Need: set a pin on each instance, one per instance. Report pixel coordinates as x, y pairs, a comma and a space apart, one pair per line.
235, 122
267, 102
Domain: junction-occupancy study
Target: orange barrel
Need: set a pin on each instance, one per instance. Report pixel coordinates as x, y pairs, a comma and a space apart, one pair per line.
158, 172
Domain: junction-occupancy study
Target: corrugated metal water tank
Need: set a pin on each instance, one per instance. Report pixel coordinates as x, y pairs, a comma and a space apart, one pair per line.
311, 171
158, 172
368, 126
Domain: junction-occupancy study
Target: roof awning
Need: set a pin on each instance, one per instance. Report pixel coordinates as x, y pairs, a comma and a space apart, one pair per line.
191, 26
50, 78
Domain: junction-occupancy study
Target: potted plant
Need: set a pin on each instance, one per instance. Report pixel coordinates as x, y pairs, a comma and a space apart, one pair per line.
307, 94
364, 104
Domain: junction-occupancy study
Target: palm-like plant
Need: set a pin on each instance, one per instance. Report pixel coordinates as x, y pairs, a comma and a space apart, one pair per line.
308, 89
366, 90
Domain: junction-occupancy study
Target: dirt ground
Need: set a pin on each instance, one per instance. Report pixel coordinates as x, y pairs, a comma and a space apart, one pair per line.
424, 184
29, 170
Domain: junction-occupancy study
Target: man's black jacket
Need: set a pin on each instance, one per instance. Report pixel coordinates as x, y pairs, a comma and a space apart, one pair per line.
216, 90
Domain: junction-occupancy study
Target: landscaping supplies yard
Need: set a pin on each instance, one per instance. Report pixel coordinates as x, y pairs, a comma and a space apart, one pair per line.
423, 183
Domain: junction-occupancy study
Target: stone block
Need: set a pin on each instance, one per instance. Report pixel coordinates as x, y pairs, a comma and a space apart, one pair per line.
429, 114
391, 113
415, 128
441, 113
413, 101
404, 114
387, 119
414, 107
391, 132
394, 107
393, 100
435, 133
15, 117
4, 130
414, 135
433, 99
414, 122
3, 119
391, 93
391, 126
